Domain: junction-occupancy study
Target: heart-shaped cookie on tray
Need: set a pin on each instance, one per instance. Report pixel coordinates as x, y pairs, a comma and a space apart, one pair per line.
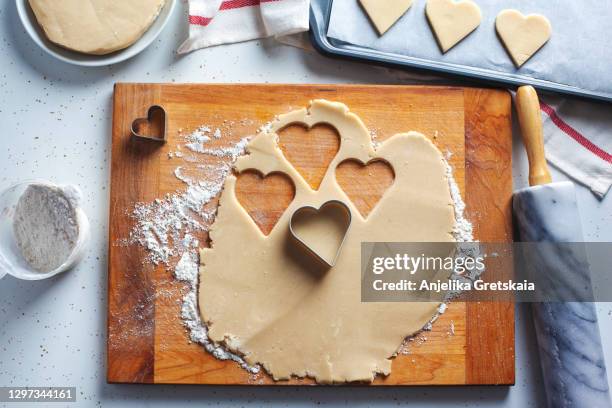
452, 21
385, 13
522, 36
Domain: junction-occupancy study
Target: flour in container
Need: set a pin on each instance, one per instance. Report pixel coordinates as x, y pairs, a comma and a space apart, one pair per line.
45, 225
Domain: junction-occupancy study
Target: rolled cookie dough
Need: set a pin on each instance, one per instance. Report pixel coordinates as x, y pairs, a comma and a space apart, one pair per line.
452, 20
95, 26
384, 13
522, 35
261, 296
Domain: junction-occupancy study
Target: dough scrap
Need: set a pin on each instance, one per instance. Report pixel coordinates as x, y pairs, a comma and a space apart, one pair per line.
95, 27
263, 298
522, 35
452, 21
385, 13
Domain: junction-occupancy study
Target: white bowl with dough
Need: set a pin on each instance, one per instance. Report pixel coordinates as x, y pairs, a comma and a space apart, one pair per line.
11, 260
36, 33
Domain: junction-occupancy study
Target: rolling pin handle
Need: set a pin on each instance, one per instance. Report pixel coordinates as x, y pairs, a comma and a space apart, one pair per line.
530, 119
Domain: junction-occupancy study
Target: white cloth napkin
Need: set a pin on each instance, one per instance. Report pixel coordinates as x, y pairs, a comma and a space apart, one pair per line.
215, 22
578, 140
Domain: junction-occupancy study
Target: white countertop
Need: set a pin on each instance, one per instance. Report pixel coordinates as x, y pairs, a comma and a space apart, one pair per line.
55, 123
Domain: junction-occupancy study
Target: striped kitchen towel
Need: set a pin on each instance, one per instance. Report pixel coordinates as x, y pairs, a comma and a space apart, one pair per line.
578, 139
215, 22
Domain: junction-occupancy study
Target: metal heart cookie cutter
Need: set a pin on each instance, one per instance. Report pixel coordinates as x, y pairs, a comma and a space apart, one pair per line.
322, 231
156, 115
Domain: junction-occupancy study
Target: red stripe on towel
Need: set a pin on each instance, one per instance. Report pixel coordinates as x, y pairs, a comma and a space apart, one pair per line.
227, 5
199, 20
574, 134
234, 4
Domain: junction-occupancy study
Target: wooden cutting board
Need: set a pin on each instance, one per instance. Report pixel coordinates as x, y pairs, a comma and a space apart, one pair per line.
472, 343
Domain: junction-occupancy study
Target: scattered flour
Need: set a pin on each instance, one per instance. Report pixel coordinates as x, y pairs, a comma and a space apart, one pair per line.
232, 152
162, 224
197, 139
186, 269
167, 226
463, 231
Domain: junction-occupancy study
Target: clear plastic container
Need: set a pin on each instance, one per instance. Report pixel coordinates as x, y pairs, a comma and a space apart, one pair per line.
11, 260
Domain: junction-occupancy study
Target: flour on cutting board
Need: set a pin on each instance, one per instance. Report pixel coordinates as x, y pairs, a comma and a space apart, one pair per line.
167, 227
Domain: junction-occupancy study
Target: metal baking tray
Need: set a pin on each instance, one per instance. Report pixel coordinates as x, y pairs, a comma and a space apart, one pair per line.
320, 13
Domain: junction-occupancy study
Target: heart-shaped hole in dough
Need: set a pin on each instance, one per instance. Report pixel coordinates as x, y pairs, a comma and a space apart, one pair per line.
322, 231
365, 184
522, 36
310, 151
265, 199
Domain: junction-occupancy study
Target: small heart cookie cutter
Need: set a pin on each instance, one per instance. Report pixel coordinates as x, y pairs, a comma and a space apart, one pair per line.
314, 253
151, 114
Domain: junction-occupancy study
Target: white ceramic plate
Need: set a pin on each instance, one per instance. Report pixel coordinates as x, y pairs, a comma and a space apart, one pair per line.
31, 26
